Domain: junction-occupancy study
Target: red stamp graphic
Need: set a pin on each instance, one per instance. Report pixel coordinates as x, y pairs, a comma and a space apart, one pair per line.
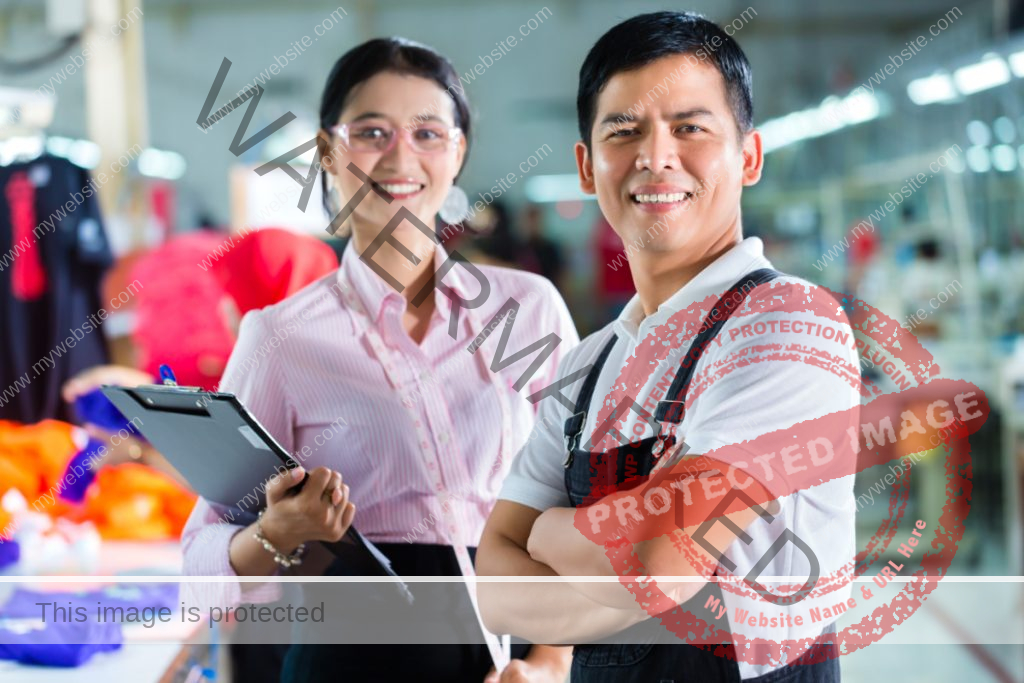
889, 427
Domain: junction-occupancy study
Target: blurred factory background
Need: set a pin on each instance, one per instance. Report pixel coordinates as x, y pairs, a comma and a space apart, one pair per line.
894, 172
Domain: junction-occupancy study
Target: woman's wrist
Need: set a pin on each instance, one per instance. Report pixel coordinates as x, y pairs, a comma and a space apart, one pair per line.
276, 535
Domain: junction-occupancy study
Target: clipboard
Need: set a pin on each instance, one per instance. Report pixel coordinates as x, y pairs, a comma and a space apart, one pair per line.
226, 455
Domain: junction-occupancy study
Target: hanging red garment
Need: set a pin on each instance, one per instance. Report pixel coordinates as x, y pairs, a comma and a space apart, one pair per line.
197, 286
179, 310
28, 277
271, 264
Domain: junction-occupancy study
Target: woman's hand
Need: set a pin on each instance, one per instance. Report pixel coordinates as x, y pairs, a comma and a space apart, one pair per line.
321, 511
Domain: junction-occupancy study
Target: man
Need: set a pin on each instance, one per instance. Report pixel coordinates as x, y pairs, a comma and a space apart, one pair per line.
667, 144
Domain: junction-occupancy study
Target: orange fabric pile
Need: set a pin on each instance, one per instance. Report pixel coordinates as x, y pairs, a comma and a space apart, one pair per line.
135, 502
124, 502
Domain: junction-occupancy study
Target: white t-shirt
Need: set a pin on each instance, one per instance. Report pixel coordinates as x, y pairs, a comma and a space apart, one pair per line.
748, 401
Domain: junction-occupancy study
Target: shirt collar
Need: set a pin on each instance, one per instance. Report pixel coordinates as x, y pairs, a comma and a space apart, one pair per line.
378, 296
714, 280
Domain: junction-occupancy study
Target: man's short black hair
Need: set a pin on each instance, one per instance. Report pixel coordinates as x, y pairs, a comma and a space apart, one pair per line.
645, 38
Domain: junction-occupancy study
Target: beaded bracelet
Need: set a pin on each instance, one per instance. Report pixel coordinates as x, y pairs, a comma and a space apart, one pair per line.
285, 561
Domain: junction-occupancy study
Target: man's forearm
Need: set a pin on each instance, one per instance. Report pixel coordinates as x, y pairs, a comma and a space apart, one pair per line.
557, 542
543, 611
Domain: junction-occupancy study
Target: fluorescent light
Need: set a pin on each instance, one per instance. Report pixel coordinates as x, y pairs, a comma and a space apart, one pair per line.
157, 163
978, 133
861, 107
554, 188
1004, 128
84, 153
1004, 158
990, 72
831, 115
935, 88
1017, 63
978, 159
154, 163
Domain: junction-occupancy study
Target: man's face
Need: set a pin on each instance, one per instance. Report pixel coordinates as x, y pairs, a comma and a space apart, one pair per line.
666, 161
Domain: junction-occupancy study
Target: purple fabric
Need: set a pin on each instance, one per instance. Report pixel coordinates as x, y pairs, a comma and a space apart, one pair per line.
56, 643
22, 602
95, 408
10, 551
83, 475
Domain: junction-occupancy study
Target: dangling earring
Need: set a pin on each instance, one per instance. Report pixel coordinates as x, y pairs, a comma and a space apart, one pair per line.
334, 202
455, 208
334, 199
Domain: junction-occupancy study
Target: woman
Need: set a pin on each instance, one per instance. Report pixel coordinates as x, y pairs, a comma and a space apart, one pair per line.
359, 377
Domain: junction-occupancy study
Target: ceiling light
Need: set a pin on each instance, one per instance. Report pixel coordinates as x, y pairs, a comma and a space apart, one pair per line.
990, 72
930, 89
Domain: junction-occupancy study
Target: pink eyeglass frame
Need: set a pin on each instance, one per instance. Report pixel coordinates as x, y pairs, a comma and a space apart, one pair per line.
454, 132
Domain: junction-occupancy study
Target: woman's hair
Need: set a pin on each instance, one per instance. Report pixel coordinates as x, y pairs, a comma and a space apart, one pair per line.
396, 55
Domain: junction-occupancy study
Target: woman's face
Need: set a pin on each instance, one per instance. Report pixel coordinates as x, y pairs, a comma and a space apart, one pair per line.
419, 181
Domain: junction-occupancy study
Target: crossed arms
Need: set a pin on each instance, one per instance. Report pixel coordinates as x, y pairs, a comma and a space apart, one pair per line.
519, 541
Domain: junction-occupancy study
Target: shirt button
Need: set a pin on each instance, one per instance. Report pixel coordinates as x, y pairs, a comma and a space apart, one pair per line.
443, 438
440, 488
431, 464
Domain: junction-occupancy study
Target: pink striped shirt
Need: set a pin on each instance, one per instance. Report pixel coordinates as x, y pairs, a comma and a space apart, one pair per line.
308, 375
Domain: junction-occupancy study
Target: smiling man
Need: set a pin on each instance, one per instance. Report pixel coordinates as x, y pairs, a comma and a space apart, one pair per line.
667, 146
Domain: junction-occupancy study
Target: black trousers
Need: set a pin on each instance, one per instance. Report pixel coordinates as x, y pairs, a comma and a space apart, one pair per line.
382, 663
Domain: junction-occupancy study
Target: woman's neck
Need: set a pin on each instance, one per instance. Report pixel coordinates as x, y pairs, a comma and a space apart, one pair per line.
412, 278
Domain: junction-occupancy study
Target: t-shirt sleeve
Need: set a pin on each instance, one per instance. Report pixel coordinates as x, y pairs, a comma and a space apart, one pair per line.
801, 379
560, 322
537, 476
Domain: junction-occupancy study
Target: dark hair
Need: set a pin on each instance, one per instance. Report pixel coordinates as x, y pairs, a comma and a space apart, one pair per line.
645, 38
397, 55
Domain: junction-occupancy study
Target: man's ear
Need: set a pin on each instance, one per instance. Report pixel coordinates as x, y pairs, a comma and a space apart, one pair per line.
585, 166
753, 157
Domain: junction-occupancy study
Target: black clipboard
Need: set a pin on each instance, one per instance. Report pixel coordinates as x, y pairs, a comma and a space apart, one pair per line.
226, 455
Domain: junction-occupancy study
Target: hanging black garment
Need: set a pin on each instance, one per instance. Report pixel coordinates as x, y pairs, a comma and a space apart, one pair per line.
646, 652
53, 253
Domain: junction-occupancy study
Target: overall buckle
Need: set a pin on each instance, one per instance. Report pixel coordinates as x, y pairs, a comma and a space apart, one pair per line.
573, 431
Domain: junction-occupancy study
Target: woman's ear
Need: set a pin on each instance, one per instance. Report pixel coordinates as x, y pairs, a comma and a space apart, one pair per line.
460, 155
327, 150
585, 166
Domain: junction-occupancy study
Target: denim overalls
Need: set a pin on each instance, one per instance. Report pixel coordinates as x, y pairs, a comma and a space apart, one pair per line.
645, 659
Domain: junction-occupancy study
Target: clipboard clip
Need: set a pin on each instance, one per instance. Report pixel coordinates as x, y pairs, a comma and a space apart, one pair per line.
167, 377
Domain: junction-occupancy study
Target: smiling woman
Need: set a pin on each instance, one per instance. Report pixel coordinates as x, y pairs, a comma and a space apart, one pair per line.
394, 133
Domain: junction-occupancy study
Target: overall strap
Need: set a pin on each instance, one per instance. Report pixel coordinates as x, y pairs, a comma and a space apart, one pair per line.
574, 425
673, 407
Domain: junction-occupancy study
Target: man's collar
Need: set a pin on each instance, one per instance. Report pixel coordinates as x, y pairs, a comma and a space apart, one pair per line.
714, 280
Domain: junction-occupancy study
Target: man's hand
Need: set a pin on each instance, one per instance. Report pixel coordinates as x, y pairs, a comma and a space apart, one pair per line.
127, 449
543, 664
93, 378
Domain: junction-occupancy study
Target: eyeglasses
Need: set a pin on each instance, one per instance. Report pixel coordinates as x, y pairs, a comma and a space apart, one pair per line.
380, 138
